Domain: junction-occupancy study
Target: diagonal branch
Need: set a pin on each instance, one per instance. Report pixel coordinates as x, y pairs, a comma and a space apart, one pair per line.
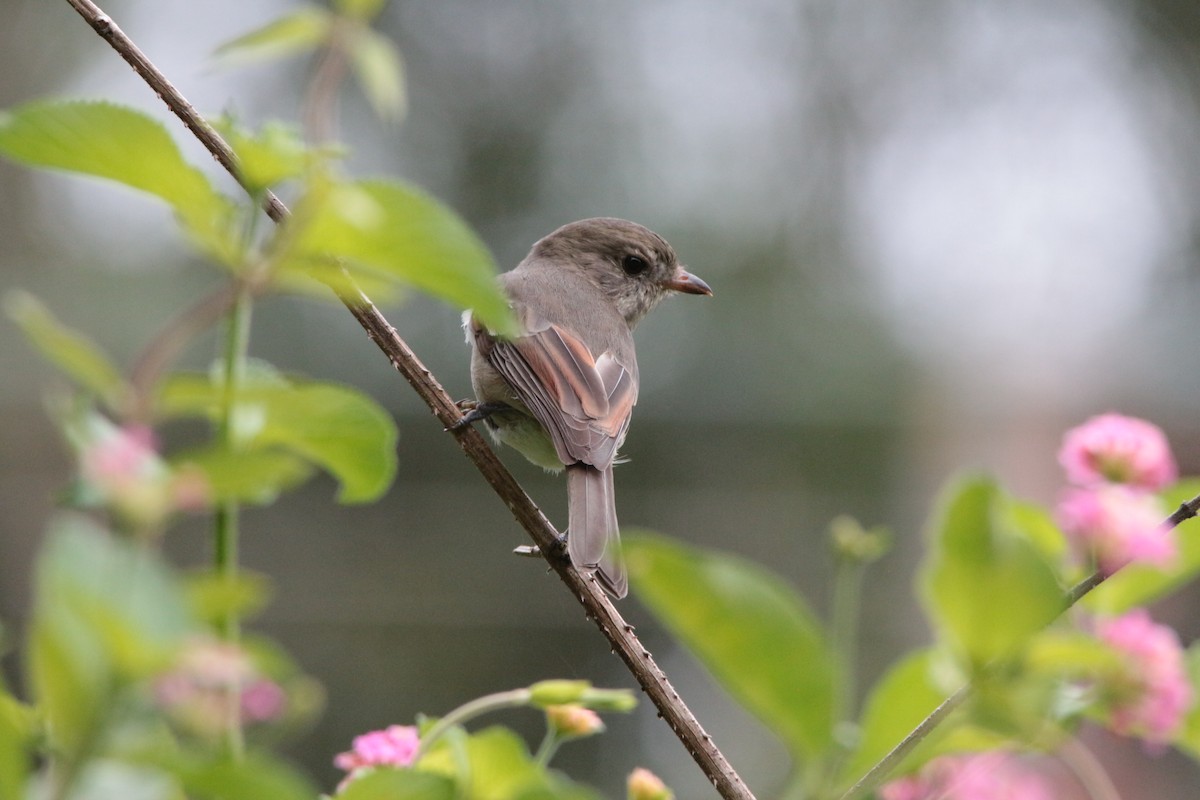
597, 606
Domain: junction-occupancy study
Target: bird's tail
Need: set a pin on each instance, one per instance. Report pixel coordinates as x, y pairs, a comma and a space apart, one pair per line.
593, 541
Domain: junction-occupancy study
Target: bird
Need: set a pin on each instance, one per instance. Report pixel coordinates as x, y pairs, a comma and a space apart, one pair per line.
562, 390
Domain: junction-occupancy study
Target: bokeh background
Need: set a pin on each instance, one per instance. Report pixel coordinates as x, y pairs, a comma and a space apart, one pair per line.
939, 233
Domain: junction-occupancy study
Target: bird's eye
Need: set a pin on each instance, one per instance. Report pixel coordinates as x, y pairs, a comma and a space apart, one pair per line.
633, 265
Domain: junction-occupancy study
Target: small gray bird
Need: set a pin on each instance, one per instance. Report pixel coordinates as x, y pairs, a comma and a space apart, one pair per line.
563, 390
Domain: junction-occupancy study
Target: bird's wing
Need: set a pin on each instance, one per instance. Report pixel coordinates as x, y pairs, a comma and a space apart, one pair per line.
583, 401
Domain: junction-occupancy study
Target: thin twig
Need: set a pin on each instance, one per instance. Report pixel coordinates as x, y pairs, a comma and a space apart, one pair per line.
876, 775
596, 605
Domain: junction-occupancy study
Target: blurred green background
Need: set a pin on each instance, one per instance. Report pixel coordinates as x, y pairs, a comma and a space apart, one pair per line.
939, 233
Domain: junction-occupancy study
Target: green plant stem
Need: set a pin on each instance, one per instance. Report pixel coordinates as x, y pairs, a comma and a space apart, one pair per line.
468, 711
847, 592
884, 767
547, 748
225, 538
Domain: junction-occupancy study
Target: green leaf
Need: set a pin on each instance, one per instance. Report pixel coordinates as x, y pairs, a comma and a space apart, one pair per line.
275, 154
17, 727
380, 71
1189, 737
359, 9
1142, 584
902, 698
399, 784
70, 351
335, 427
493, 764
123, 145
257, 477
299, 32
752, 631
987, 589
214, 596
255, 777
399, 231
106, 612
1035, 524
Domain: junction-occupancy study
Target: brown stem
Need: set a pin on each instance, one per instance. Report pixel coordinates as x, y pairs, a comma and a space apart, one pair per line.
596, 604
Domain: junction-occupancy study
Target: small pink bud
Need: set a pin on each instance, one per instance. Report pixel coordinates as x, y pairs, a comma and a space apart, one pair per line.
572, 720
645, 785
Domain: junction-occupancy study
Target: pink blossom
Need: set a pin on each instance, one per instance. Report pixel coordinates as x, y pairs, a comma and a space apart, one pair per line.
207, 672
1157, 694
643, 784
1116, 525
394, 746
1112, 448
119, 457
263, 700
993, 775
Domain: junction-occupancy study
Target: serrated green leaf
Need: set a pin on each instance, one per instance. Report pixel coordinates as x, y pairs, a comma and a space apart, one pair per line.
750, 629
987, 589
359, 9
123, 145
256, 477
76, 355
399, 231
379, 68
399, 784
1141, 584
298, 32
340, 429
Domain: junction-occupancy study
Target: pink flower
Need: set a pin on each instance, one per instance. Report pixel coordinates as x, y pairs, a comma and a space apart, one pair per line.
573, 720
1112, 448
993, 775
207, 672
1156, 694
1116, 525
394, 746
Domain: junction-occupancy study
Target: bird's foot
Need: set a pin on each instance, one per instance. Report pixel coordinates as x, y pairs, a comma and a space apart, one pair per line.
476, 411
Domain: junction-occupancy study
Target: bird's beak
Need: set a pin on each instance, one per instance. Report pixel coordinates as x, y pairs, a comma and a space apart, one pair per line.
686, 282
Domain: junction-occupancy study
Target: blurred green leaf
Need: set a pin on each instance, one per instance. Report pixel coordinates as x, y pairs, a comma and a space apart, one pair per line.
214, 596
17, 727
1035, 524
905, 695
1141, 584
399, 784
399, 231
359, 9
986, 588
1189, 737
298, 32
255, 777
123, 145
494, 764
274, 154
102, 607
752, 631
335, 427
380, 70
70, 351
257, 477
